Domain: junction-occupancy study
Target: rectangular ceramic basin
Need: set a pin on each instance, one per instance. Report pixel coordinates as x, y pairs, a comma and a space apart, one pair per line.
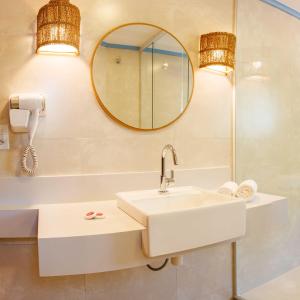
184, 218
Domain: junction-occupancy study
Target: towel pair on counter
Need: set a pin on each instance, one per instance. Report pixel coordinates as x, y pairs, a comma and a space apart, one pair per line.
246, 190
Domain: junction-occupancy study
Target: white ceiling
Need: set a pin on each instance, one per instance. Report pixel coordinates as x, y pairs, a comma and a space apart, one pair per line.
167, 42
134, 35
139, 35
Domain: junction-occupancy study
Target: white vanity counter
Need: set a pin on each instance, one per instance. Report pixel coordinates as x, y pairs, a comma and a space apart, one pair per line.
113, 243
52, 210
70, 244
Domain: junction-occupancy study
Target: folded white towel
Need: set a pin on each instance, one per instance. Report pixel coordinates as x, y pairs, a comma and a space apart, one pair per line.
228, 188
247, 189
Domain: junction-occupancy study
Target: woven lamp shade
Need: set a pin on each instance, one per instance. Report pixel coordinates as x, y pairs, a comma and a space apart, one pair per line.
217, 51
58, 28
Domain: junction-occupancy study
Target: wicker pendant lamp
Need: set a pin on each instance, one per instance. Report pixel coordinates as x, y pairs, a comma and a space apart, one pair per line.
217, 51
58, 28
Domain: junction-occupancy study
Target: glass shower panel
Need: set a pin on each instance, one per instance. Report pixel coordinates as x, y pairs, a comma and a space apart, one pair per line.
268, 130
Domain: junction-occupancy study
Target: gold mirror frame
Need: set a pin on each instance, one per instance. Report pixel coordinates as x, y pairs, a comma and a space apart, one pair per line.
99, 98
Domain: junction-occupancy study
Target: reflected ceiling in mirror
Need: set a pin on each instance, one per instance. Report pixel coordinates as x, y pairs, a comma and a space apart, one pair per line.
142, 76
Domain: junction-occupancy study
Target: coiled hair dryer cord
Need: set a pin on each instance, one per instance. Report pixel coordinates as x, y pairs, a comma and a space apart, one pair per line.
29, 150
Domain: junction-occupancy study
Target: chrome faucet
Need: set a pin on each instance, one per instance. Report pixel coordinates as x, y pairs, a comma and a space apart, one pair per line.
164, 180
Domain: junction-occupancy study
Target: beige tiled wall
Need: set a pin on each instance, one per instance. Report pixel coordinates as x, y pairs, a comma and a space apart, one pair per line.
76, 137
267, 90
201, 277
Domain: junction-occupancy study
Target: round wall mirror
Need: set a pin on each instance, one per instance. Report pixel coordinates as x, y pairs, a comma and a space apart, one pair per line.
142, 76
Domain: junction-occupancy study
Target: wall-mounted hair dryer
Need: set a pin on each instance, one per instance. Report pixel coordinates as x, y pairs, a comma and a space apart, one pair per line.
24, 113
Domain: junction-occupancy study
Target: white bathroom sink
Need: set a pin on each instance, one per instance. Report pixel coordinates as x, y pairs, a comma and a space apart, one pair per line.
184, 218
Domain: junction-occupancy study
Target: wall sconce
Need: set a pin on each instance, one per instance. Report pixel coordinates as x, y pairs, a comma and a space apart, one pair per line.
217, 51
58, 28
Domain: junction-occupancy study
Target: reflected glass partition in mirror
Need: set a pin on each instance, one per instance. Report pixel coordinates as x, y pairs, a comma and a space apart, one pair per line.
142, 76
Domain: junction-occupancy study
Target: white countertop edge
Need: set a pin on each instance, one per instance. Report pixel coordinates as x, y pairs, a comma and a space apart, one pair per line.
261, 199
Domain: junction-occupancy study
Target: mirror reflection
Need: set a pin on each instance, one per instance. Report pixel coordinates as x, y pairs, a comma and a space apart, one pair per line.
142, 76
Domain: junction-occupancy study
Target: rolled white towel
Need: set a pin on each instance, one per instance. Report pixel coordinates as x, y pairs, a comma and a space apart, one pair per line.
228, 188
247, 189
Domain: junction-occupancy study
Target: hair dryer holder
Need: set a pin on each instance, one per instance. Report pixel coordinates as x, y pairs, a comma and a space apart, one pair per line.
21, 109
